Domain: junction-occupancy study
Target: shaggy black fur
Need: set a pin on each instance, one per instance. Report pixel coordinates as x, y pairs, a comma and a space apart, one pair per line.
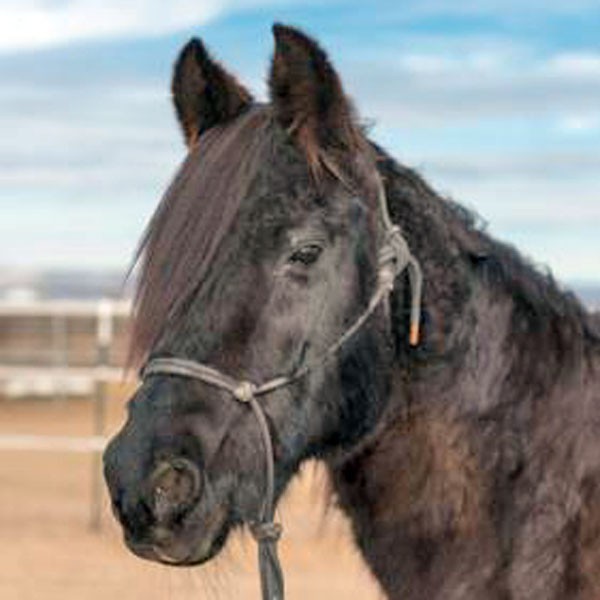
480, 487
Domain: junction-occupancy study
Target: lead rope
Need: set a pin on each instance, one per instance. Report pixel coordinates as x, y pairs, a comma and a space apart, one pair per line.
394, 257
266, 532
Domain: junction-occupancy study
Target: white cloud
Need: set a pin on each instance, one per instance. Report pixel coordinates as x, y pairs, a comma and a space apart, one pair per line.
540, 164
575, 64
506, 8
578, 124
524, 203
89, 144
433, 89
30, 24
436, 64
496, 61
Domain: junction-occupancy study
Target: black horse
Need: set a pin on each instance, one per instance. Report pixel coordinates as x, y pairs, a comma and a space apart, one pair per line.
468, 465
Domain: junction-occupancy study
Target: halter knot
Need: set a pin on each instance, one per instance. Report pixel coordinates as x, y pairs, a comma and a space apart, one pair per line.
395, 257
245, 391
265, 532
395, 250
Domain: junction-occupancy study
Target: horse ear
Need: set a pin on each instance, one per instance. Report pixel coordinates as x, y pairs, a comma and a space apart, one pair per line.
308, 98
204, 93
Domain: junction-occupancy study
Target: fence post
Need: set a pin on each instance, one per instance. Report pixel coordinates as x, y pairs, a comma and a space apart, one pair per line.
104, 337
59, 350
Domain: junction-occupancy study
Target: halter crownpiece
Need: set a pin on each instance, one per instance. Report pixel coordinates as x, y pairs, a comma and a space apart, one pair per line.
394, 257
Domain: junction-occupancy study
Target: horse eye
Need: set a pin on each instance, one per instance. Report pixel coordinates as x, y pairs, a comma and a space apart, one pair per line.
307, 255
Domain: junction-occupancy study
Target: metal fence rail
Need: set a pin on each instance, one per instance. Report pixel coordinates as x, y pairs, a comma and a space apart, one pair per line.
52, 443
60, 348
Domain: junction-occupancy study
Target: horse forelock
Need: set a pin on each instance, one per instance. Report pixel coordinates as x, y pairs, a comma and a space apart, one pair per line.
198, 209
192, 219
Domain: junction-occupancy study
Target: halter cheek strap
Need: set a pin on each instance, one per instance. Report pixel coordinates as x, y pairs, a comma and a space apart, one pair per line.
394, 258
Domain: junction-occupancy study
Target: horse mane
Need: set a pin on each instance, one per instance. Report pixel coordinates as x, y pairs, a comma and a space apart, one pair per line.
191, 220
460, 241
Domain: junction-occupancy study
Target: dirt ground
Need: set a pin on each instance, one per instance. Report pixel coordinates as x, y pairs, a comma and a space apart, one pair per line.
48, 550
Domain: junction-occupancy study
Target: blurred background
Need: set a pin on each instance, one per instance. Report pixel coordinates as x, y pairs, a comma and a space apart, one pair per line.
496, 103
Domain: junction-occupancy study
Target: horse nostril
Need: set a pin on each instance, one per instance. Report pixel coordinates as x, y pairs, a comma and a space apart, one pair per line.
175, 486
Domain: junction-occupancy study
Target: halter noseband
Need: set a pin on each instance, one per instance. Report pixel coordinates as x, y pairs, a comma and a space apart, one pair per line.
394, 258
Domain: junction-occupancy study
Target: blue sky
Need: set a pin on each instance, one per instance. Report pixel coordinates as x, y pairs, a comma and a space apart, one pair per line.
496, 102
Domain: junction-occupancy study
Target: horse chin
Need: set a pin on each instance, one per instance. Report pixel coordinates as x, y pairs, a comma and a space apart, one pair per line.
193, 543
199, 554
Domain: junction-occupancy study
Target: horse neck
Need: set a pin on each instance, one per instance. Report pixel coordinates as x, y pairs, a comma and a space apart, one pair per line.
497, 337
493, 325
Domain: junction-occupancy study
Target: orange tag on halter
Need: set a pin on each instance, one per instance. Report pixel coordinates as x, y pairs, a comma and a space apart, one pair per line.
414, 336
